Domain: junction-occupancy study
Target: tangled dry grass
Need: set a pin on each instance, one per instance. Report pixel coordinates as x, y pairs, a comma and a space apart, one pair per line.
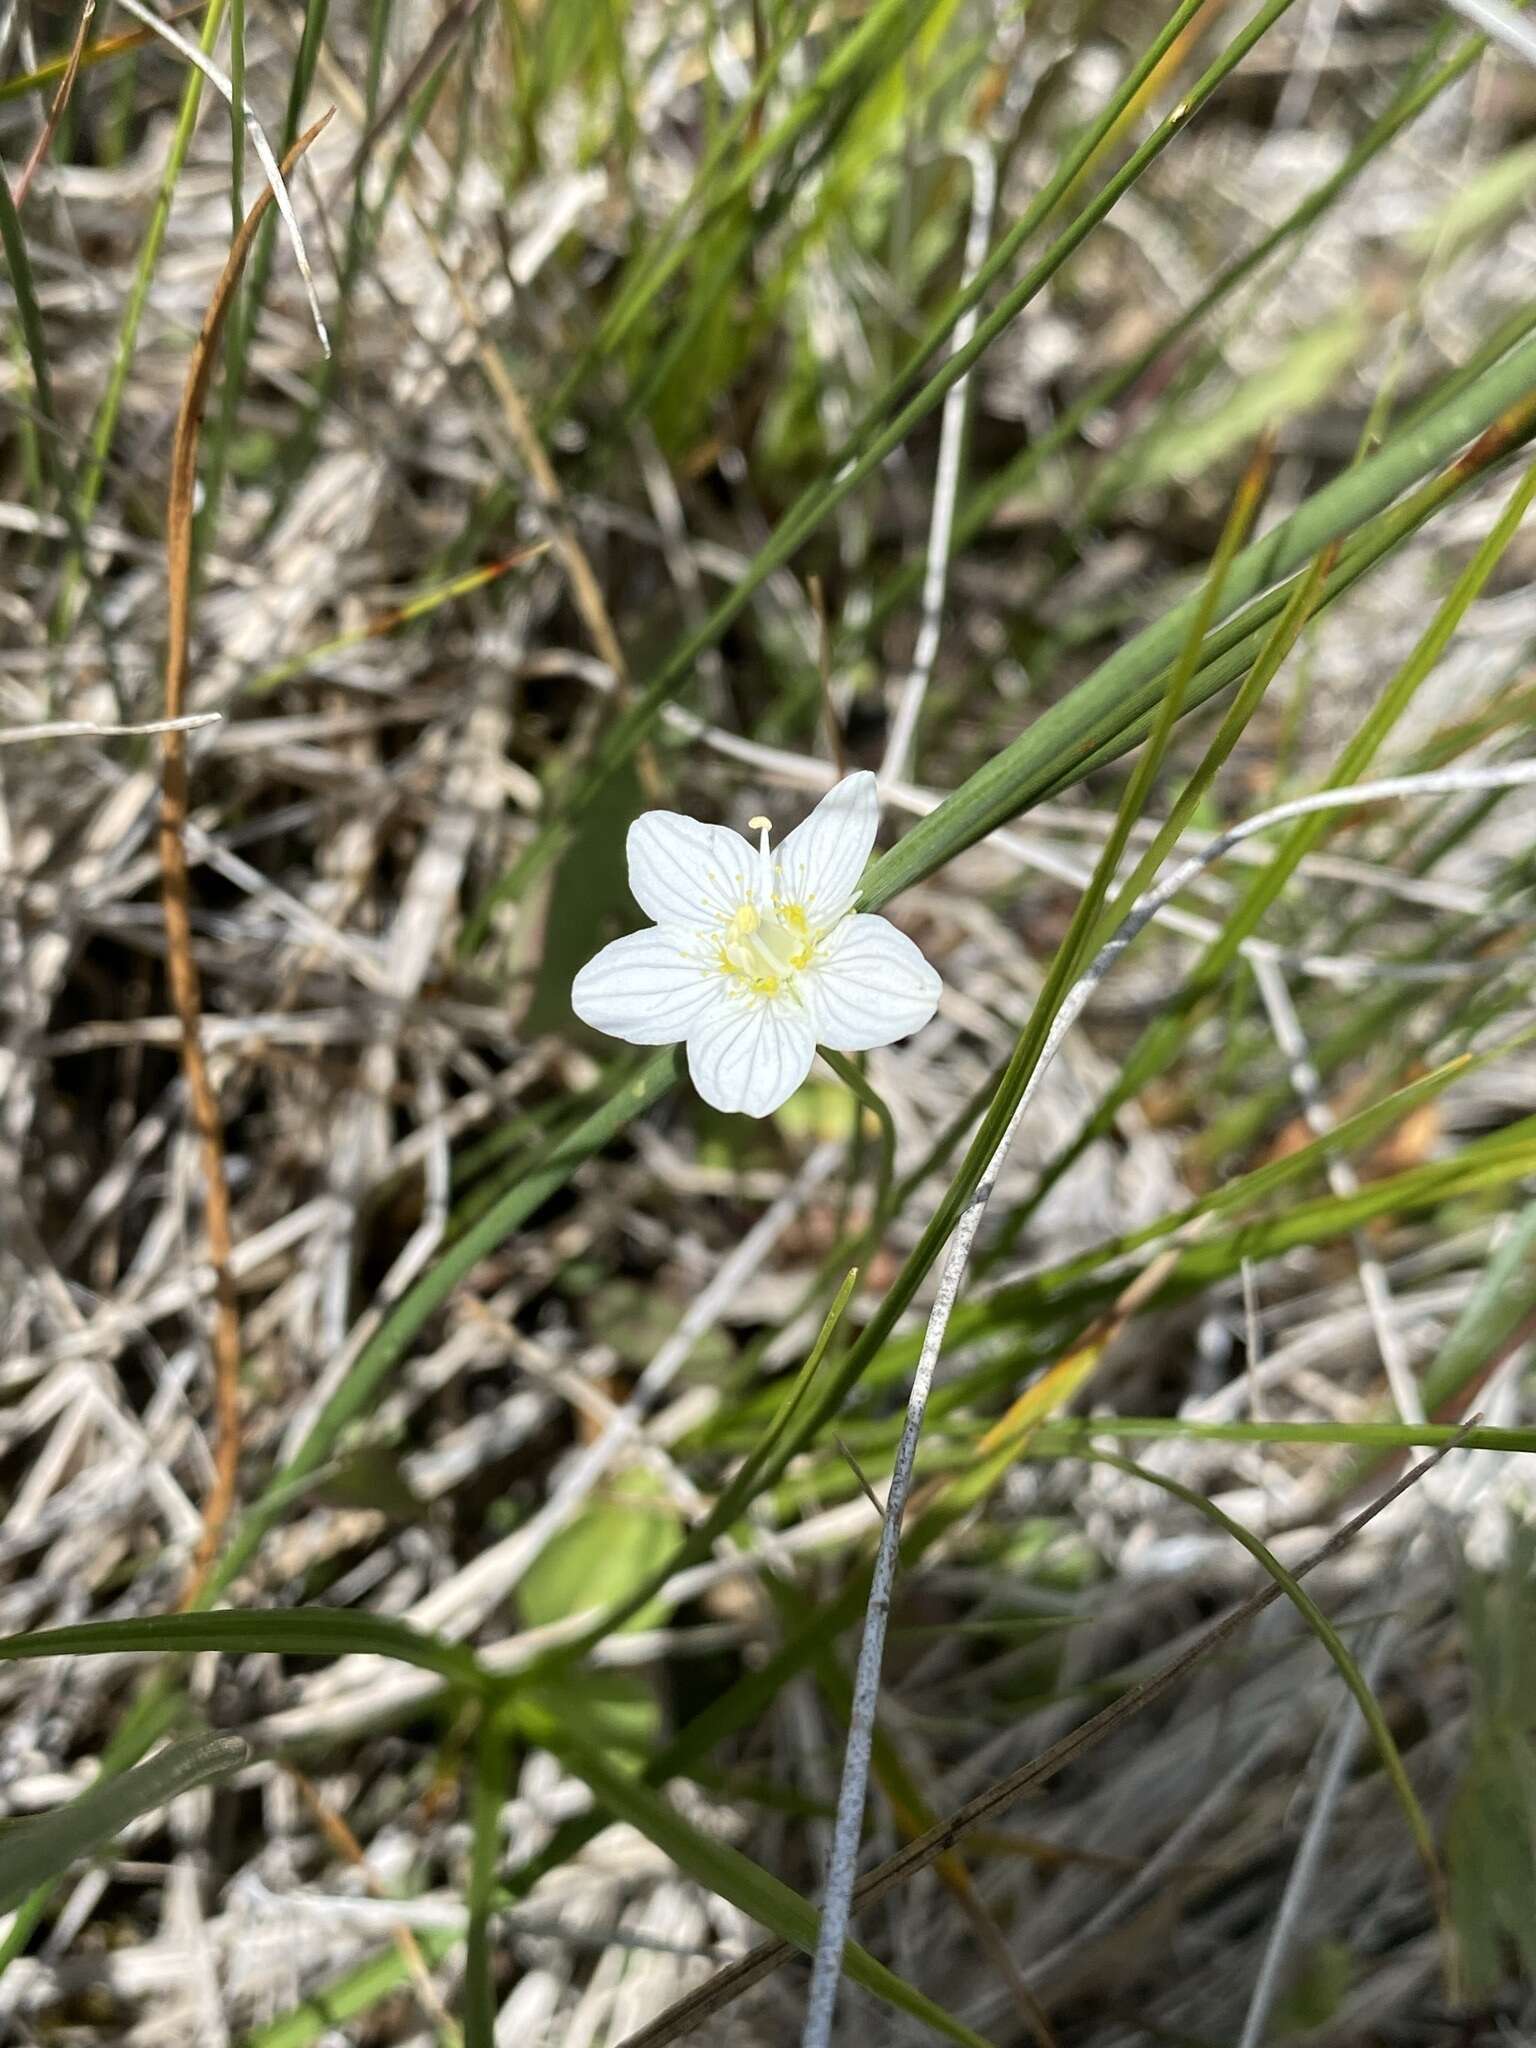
428, 577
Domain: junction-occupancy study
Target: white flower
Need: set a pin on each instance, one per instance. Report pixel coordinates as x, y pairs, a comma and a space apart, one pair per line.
757, 957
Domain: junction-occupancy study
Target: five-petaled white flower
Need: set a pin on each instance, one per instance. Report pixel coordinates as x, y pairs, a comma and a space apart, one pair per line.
757, 957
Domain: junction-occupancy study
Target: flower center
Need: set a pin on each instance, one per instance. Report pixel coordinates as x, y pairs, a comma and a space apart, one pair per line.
763, 949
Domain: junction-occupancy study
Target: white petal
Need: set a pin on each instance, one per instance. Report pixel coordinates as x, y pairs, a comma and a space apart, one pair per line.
869, 986
688, 874
751, 1056
650, 988
820, 863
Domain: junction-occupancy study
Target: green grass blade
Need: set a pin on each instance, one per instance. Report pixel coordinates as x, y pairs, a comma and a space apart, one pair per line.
289, 1631
89, 482
1503, 1300
37, 1850
1061, 1439
29, 316
355, 1992
1349, 1670
1096, 931
1062, 743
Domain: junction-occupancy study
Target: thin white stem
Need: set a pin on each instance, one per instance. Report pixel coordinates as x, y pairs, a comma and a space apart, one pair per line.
842, 1867
87, 729
1501, 22
216, 78
946, 485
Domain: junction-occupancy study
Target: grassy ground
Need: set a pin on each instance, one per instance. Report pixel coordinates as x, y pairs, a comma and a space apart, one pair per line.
1107, 422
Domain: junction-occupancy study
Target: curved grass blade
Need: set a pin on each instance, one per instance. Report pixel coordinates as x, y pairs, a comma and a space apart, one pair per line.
39, 1849
1349, 1670
287, 1632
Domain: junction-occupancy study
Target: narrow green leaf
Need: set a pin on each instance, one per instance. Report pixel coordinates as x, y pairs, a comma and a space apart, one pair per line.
1332, 1642
289, 1632
14, 244
104, 427
1059, 1439
1503, 1299
349, 1995
1065, 737
42, 1847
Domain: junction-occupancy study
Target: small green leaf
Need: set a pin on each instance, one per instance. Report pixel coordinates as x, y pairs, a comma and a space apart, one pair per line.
1317, 1992
589, 903
611, 1548
372, 1477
